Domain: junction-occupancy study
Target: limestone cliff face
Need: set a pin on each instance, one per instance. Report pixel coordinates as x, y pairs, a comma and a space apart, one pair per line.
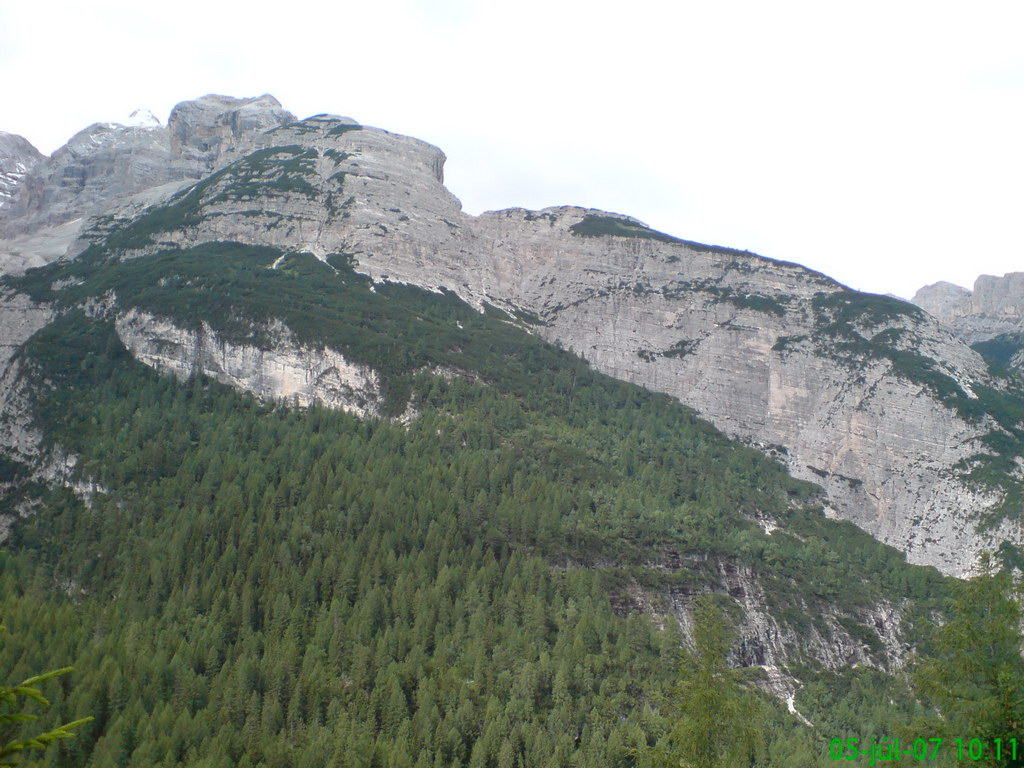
993, 308
19, 319
106, 163
767, 642
20, 438
203, 130
943, 300
17, 158
740, 339
325, 185
289, 371
748, 342
843, 387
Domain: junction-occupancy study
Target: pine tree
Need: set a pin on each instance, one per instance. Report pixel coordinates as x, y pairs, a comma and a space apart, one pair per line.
717, 717
14, 700
975, 677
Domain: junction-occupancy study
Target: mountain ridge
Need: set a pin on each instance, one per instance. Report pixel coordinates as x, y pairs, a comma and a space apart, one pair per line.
301, 459
990, 317
862, 394
107, 162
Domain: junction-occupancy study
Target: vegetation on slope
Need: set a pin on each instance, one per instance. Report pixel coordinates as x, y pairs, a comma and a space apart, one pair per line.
1002, 350
17, 703
274, 170
597, 225
974, 675
852, 327
263, 586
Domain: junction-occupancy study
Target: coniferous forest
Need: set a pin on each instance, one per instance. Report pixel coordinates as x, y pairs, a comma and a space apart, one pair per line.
494, 583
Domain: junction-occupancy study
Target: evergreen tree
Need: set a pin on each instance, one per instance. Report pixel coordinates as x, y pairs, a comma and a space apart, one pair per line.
719, 721
273, 586
975, 676
14, 701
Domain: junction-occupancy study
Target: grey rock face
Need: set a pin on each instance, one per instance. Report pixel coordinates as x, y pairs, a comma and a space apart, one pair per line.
99, 165
743, 340
17, 158
103, 165
999, 296
993, 308
19, 319
20, 437
288, 372
945, 301
735, 336
767, 642
203, 129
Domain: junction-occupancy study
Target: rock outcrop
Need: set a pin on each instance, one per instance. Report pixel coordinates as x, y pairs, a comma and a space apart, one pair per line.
289, 371
20, 317
202, 130
946, 301
99, 165
866, 395
993, 308
17, 158
107, 163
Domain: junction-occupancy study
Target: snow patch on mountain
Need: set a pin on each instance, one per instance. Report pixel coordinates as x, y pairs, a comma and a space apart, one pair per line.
142, 118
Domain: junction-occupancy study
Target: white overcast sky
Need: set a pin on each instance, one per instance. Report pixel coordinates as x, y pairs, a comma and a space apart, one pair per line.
879, 142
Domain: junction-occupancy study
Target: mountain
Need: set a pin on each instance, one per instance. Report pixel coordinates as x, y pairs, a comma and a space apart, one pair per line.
17, 158
990, 318
297, 458
44, 206
910, 434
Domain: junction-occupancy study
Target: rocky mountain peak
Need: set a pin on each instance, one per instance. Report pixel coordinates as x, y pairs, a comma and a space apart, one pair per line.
201, 129
13, 146
943, 300
142, 118
106, 163
994, 309
17, 157
99, 138
999, 296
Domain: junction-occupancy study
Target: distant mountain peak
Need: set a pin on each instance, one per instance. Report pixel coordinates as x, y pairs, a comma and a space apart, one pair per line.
107, 162
142, 118
993, 308
17, 157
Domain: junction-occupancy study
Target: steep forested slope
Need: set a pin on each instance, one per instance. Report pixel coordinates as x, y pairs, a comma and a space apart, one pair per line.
491, 559
247, 583
906, 429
